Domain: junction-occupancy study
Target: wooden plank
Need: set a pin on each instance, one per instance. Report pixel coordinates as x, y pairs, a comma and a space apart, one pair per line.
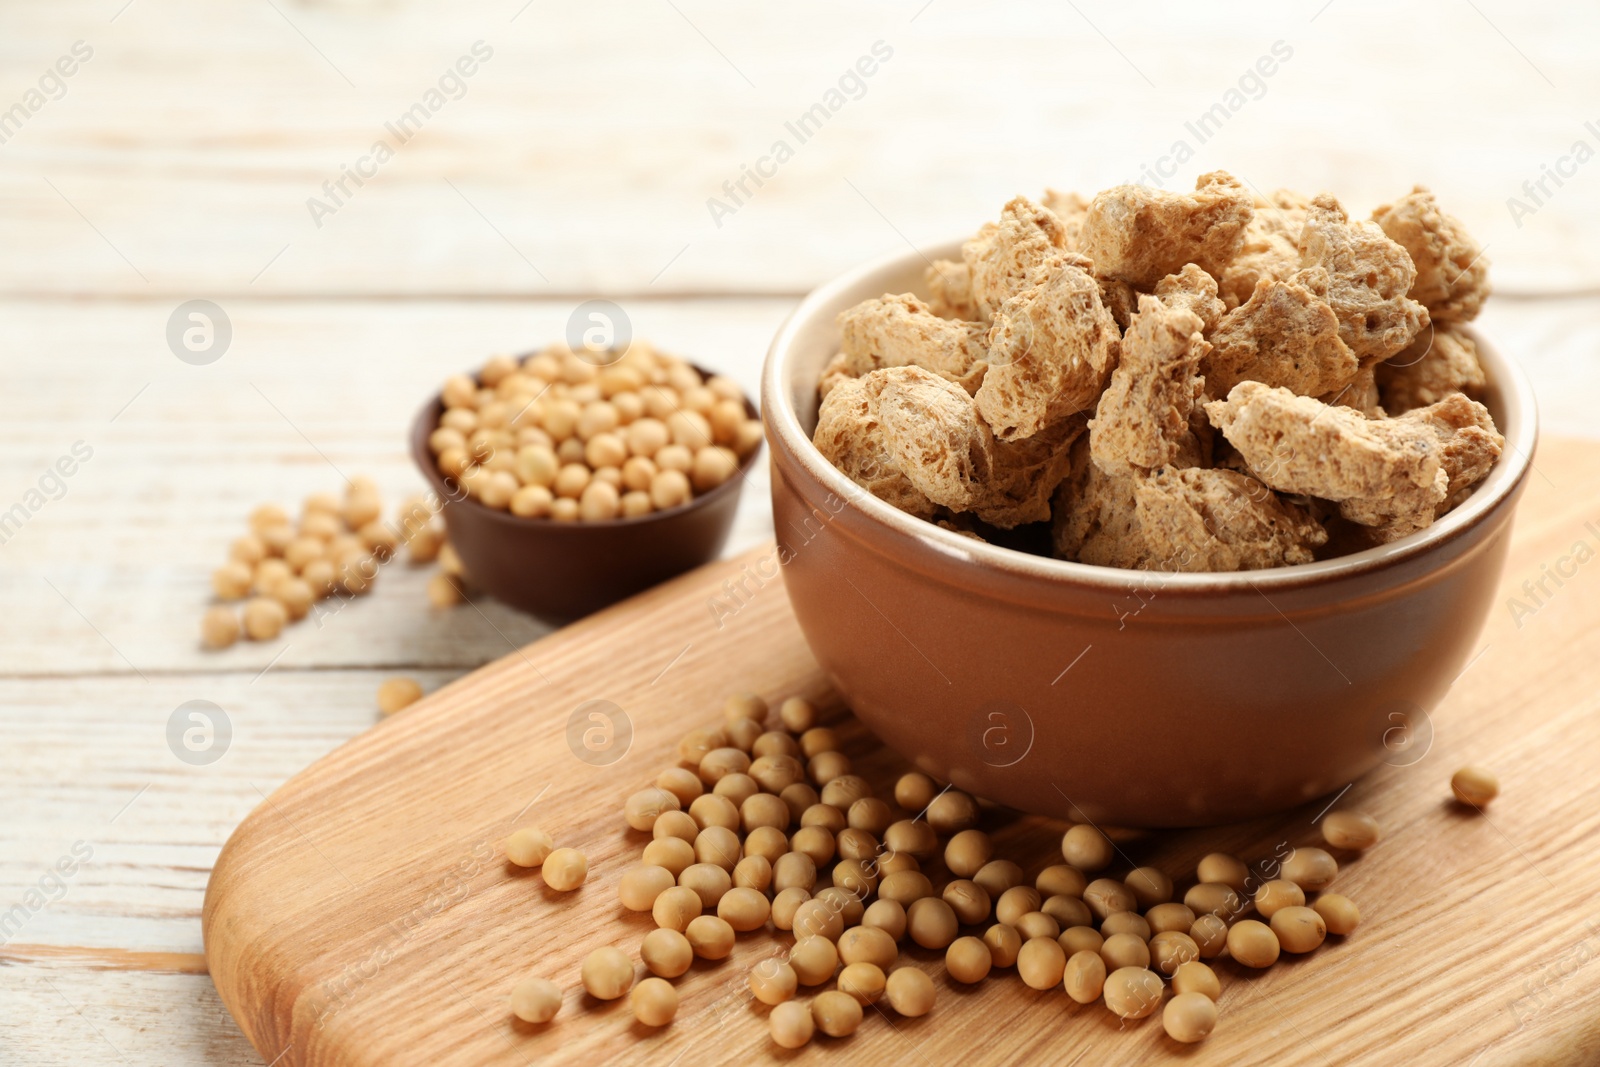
342, 867
315, 388
88, 768
62, 1014
182, 157
114, 575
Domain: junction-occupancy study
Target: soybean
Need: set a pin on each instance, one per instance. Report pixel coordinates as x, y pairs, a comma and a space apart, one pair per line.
1338, 912
1350, 829
1189, 1017
836, 1013
1041, 963
1475, 786
1298, 929
1004, 943
529, 846
535, 1000
1253, 943
607, 973
667, 953
1132, 992
909, 991
710, 937
1276, 895
1309, 868
864, 981
1086, 848
772, 981
565, 869
1084, 976
791, 1024
640, 886
968, 960
1196, 977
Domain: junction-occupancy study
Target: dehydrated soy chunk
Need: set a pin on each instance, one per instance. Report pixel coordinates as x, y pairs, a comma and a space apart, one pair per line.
1024, 474
1282, 335
1120, 298
1094, 516
1141, 235
1359, 394
1143, 418
902, 331
932, 432
1452, 275
1298, 444
848, 435
1388, 474
1050, 350
1467, 444
1270, 249
1219, 520
1363, 276
1071, 209
1443, 360
949, 285
1192, 289
1002, 255
836, 371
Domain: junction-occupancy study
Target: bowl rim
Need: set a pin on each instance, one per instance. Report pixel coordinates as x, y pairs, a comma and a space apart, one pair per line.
424, 459
786, 435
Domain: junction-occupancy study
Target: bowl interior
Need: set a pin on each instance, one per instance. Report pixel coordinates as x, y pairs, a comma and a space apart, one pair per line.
811, 337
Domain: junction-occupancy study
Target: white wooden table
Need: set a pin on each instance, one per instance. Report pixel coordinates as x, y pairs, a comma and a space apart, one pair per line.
576, 160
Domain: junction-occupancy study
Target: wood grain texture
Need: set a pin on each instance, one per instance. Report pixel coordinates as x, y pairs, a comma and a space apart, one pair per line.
129, 546
390, 915
179, 162
183, 155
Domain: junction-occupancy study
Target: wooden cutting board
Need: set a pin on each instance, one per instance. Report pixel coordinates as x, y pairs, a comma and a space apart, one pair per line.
364, 914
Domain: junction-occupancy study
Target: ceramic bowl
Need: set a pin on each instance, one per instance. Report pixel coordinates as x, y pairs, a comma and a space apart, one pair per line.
1124, 697
560, 571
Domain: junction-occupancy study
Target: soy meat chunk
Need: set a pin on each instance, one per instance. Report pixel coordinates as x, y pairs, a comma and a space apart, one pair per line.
1281, 336
849, 435
1364, 277
1141, 235
1192, 289
1002, 255
950, 290
1387, 474
1120, 298
1452, 275
1143, 419
1442, 361
1024, 475
1468, 446
1094, 516
836, 371
1270, 249
932, 432
1300, 445
902, 331
1359, 394
1191, 519
1218, 520
1051, 348
1071, 209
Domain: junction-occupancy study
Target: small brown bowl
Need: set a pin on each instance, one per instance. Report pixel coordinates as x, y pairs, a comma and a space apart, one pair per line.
1128, 697
560, 571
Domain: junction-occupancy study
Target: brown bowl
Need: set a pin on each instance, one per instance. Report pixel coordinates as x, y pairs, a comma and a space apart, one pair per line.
1128, 697
560, 571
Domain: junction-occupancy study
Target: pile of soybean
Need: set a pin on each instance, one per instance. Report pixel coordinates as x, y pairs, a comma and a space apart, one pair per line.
769, 833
